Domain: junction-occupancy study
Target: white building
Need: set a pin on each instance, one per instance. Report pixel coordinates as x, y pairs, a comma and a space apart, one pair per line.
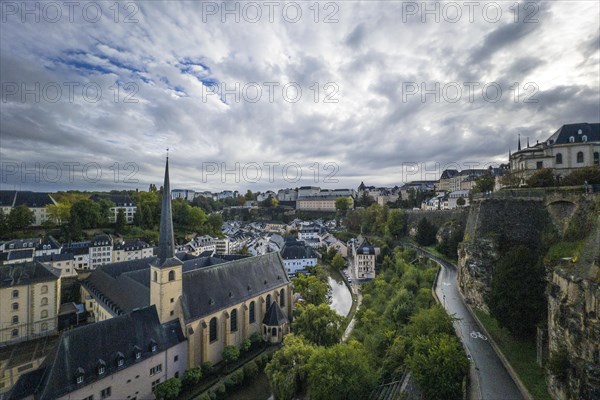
186, 194
308, 191
458, 194
571, 147
100, 250
36, 202
287, 195
363, 259
297, 257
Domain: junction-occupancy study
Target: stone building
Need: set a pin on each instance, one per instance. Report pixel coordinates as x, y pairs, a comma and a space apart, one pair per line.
218, 301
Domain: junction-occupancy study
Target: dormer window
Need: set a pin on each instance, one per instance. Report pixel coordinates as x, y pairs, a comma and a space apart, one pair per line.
101, 367
79, 375
120, 359
137, 352
584, 138
572, 139
153, 346
579, 132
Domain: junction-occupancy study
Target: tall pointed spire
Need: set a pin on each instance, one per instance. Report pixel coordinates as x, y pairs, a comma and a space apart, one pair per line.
527, 141
519, 148
166, 241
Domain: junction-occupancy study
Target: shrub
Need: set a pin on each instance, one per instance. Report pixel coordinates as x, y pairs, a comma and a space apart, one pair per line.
238, 376
230, 354
204, 396
169, 389
559, 365
250, 370
220, 390
245, 346
207, 368
192, 376
212, 395
229, 383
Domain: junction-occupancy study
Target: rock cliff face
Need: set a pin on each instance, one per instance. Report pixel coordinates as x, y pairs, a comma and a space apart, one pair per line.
574, 328
492, 226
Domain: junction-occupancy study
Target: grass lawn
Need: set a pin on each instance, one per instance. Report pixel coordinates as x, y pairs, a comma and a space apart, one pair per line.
520, 354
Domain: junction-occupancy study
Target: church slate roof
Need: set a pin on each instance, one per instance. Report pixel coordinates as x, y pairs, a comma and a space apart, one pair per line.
33, 199
293, 252
210, 289
561, 136
274, 316
76, 352
125, 286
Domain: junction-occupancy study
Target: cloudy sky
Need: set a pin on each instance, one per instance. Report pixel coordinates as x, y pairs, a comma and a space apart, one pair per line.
281, 94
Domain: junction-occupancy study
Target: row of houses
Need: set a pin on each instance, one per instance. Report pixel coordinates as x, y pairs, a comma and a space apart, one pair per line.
68, 257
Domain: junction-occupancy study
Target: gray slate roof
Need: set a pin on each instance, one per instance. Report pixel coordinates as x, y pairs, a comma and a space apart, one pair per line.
274, 316
24, 274
75, 352
561, 136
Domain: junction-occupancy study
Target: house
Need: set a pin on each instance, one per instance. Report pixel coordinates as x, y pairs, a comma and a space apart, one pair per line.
331, 242
64, 263
125, 357
287, 195
363, 258
443, 184
571, 147
218, 301
186, 194
458, 194
264, 196
29, 300
121, 202
36, 202
131, 249
100, 251
81, 254
297, 257
308, 191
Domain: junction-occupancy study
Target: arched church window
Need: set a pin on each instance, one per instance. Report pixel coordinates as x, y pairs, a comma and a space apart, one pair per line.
580, 157
268, 302
282, 298
171, 276
233, 320
559, 158
213, 329
252, 313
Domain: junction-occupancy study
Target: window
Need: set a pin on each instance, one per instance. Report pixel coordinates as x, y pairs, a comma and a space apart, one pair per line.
15, 306
153, 346
172, 300
171, 276
44, 327
176, 376
15, 333
101, 367
44, 301
268, 301
572, 139
44, 289
90, 397
44, 314
15, 319
15, 293
155, 370
213, 330
233, 321
584, 138
282, 298
138, 353
105, 393
80, 379
155, 276
597, 158
251, 313
176, 358
274, 332
120, 362
539, 165
580, 157
559, 158
155, 384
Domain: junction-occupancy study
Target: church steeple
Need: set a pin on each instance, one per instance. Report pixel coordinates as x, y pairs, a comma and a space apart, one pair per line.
166, 241
519, 148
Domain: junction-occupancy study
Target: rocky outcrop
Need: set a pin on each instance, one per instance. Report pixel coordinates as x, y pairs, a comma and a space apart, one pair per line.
574, 328
437, 218
476, 260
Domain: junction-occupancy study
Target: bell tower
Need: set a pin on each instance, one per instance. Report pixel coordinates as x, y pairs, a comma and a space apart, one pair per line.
166, 273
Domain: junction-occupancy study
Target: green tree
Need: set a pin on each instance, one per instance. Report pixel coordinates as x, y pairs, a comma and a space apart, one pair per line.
319, 324
591, 175
245, 345
230, 354
287, 371
342, 204
439, 364
148, 216
86, 213
59, 213
516, 298
121, 223
3, 224
138, 217
430, 321
395, 223
244, 250
196, 219
542, 178
341, 372
168, 390
105, 206
312, 289
460, 201
338, 262
192, 376
485, 183
215, 222
425, 232
249, 196
20, 217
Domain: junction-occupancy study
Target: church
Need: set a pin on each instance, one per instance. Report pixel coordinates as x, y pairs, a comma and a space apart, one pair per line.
218, 301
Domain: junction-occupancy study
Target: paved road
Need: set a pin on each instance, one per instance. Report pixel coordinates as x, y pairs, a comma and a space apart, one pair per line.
494, 381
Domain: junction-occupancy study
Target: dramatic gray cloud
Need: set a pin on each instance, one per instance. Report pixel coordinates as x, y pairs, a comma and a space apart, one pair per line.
363, 91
